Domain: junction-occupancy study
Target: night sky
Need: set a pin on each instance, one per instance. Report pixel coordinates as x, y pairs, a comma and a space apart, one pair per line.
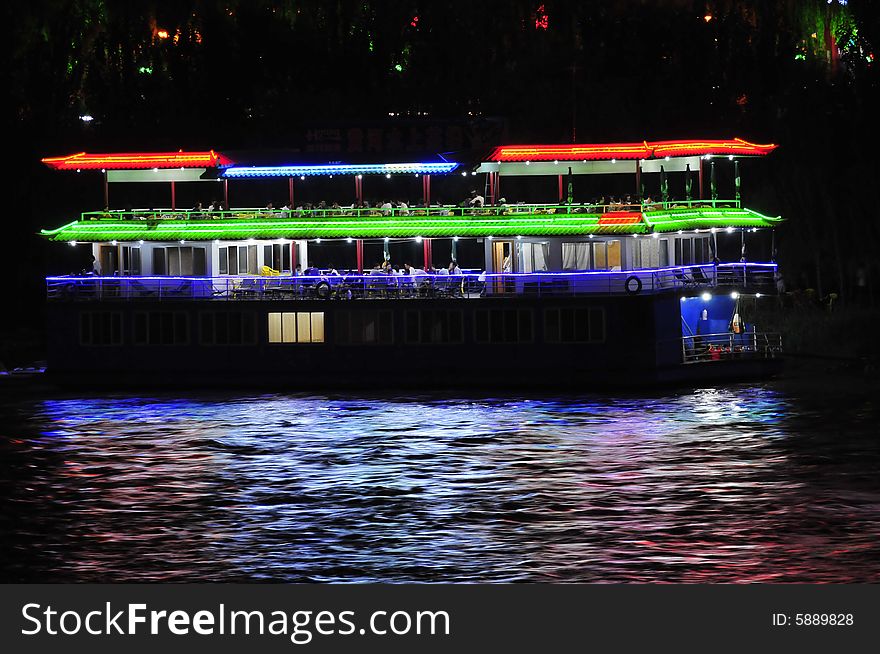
309, 75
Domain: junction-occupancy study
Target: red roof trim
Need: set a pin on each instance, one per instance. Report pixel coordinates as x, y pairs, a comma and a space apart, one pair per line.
136, 160
643, 150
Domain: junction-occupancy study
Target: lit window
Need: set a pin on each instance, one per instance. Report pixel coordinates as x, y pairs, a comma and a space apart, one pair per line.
299, 327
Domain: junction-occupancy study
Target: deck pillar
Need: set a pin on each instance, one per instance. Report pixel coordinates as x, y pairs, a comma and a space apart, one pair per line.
639, 180
290, 192
426, 252
560, 189
360, 255
701, 178
292, 257
173, 196
106, 192
491, 197
426, 190
359, 189
226, 195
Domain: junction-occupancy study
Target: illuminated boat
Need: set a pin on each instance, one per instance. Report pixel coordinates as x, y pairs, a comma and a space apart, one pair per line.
574, 294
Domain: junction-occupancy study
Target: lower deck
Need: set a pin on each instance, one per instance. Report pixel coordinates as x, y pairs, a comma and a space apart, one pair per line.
565, 340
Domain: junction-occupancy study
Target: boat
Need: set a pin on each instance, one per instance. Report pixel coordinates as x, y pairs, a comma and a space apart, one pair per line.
577, 294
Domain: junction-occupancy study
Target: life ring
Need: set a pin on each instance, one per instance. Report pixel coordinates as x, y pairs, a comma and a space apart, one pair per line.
322, 290
631, 288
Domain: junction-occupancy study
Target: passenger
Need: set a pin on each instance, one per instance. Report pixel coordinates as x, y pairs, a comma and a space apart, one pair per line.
298, 270
476, 200
93, 268
502, 205
312, 271
332, 271
386, 208
453, 268
403, 207
335, 206
270, 207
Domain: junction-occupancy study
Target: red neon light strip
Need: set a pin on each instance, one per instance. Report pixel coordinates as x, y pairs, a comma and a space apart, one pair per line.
135, 160
643, 150
620, 218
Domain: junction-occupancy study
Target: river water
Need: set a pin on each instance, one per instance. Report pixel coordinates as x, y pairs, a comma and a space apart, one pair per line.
751, 483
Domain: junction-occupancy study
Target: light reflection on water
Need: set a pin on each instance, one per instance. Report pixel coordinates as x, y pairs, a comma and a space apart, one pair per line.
740, 484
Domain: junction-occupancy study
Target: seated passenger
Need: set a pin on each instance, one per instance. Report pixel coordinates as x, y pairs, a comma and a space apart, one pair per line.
386, 208
453, 268
476, 200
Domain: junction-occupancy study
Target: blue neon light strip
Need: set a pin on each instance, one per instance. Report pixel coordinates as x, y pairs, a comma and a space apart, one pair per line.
238, 172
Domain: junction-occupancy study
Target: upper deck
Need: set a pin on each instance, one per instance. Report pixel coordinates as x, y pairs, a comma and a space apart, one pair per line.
535, 220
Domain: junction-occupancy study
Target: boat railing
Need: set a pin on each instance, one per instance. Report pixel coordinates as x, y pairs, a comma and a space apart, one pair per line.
400, 213
754, 277
729, 345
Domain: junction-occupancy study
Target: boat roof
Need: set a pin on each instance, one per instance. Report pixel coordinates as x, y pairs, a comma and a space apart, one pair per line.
252, 225
136, 160
583, 152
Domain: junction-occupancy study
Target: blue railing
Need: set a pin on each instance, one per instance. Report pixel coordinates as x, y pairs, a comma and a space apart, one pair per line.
756, 277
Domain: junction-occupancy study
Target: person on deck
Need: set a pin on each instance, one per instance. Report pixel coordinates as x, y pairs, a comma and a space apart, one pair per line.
476, 200
453, 268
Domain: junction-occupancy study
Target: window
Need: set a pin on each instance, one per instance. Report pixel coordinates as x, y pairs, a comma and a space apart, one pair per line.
298, 327
683, 252
534, 256
161, 328
239, 260
664, 252
227, 328
591, 255
179, 261
574, 325
646, 253
277, 256
100, 328
434, 327
577, 256
503, 325
364, 327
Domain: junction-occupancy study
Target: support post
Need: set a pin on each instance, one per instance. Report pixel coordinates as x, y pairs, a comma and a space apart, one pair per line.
560, 189
426, 252
701, 178
639, 180
226, 195
491, 197
426, 183
454, 250
359, 189
360, 255
292, 257
106, 191
290, 192
173, 196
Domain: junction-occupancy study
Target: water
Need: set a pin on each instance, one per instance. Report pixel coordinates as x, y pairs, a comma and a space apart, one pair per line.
738, 484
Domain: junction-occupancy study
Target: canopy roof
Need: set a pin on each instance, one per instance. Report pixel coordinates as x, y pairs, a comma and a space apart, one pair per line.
612, 151
135, 160
539, 225
423, 168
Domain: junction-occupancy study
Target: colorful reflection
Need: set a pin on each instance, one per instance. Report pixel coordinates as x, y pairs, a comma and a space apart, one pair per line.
740, 484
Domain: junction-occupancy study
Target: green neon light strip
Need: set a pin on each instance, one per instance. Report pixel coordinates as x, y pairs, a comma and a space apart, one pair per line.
380, 227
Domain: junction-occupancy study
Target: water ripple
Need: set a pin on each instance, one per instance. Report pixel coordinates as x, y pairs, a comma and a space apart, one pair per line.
741, 484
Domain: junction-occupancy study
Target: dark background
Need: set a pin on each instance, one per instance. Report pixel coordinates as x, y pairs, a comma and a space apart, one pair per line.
460, 74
